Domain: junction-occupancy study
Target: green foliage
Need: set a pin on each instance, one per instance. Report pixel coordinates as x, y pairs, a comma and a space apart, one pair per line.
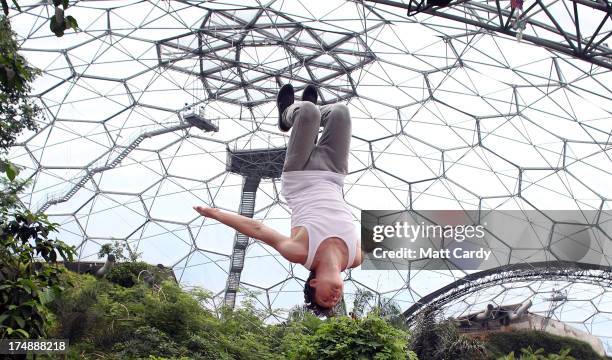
441, 340
23, 235
346, 338
29, 276
27, 285
361, 302
75, 313
10, 188
109, 321
500, 344
126, 274
366, 303
138, 322
390, 312
173, 312
117, 249
17, 111
539, 354
147, 339
242, 333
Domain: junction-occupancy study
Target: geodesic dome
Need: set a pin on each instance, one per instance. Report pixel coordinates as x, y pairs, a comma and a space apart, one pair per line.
446, 115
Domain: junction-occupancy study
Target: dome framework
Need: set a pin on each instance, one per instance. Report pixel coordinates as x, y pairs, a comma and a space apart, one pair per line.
550, 24
446, 115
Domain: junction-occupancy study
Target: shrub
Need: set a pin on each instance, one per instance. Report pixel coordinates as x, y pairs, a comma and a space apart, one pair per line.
347, 338
27, 284
201, 347
530, 354
441, 340
76, 314
126, 273
139, 322
500, 344
150, 341
173, 311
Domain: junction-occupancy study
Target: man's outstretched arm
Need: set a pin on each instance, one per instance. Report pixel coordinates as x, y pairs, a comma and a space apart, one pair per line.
246, 225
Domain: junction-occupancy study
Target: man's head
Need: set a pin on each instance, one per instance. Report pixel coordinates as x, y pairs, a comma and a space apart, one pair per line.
323, 293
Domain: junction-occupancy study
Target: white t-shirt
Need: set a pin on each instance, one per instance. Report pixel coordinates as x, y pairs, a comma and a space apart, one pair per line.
316, 202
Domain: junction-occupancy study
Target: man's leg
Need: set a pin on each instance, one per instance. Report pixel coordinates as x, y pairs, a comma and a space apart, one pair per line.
304, 118
332, 150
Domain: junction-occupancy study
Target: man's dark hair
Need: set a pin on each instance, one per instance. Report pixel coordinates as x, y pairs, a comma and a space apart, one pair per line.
309, 299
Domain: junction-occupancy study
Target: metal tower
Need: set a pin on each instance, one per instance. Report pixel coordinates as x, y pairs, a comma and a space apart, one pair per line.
253, 165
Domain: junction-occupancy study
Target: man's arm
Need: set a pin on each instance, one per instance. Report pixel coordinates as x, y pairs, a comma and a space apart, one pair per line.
358, 257
246, 225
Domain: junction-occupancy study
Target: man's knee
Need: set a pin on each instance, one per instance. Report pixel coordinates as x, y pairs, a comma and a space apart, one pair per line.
340, 113
308, 111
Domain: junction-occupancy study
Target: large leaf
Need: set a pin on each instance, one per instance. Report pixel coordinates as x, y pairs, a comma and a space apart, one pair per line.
19, 320
22, 332
71, 23
11, 171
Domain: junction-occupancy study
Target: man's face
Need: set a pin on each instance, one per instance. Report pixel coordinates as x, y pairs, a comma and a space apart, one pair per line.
328, 291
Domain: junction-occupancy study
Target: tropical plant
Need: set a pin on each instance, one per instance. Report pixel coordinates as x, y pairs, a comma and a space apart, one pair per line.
139, 322
539, 354
29, 275
365, 303
127, 274
439, 340
361, 302
17, 111
117, 249
499, 344
344, 338
27, 284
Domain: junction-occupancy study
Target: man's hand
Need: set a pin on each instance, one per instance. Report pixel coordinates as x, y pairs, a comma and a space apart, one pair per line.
207, 211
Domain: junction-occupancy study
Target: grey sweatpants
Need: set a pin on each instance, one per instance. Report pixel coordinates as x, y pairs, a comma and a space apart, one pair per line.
330, 153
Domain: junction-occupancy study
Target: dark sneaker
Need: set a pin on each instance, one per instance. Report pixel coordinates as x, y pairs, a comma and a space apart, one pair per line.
284, 99
310, 94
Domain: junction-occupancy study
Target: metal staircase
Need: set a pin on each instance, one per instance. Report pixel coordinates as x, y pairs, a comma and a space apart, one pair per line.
89, 173
241, 241
253, 165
